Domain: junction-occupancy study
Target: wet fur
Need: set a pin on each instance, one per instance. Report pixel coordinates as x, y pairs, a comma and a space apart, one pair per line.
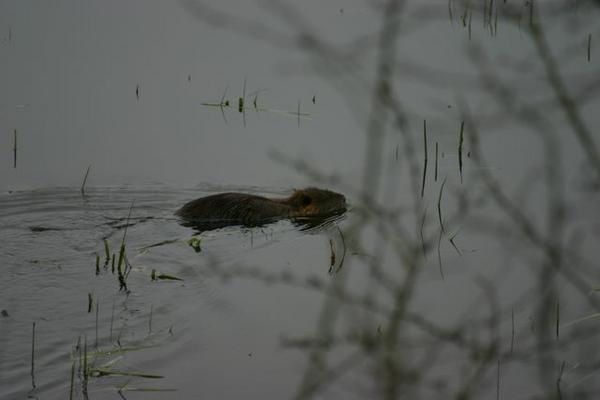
251, 210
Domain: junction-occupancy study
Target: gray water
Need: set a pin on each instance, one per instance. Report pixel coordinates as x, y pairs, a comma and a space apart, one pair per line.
380, 302
166, 320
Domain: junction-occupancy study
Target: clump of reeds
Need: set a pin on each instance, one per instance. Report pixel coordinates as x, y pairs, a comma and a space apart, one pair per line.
243, 103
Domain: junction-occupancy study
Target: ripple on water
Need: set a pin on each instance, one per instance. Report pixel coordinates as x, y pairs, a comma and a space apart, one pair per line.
51, 239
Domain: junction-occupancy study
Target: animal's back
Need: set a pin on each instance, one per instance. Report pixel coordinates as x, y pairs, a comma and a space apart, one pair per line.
225, 209
232, 207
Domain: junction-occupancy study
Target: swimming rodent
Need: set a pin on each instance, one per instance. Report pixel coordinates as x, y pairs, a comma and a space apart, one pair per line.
225, 209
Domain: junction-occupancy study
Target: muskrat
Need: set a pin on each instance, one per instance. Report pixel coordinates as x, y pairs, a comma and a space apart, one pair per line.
225, 209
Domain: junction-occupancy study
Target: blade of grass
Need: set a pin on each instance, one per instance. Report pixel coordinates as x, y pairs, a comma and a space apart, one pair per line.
470, 14
586, 318
106, 253
460, 150
85, 180
451, 240
85, 369
168, 241
72, 380
221, 102
557, 318
425, 158
242, 109
120, 272
344, 248
98, 372
332, 255
436, 162
149, 389
439, 253
15, 149
439, 205
560, 374
33, 356
121, 350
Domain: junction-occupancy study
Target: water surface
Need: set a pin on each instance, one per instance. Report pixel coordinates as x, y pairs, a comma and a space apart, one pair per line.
472, 277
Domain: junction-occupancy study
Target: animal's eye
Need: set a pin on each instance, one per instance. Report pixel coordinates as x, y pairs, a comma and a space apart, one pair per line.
306, 200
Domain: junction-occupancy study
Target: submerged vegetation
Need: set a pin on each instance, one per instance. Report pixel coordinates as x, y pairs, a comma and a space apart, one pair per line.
93, 365
243, 106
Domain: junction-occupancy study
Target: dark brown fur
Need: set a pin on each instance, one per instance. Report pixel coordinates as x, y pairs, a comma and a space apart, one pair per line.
225, 209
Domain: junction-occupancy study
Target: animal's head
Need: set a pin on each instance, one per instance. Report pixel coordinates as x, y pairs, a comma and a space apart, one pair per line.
313, 202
